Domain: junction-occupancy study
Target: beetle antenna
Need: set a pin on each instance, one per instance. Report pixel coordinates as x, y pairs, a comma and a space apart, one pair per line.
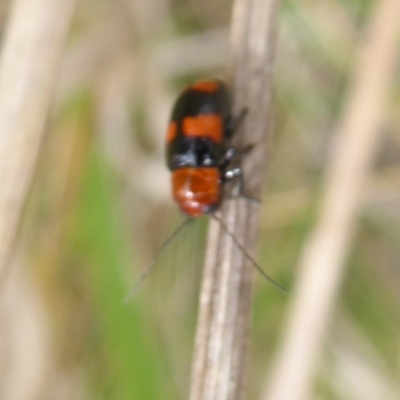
151, 266
247, 255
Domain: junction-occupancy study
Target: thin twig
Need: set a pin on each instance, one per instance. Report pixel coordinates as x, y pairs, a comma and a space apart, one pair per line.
31, 55
219, 365
324, 256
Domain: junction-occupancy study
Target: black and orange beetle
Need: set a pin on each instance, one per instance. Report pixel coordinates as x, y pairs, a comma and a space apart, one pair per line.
198, 147
199, 154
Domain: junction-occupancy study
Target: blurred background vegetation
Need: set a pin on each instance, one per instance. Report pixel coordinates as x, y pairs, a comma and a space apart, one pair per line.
100, 206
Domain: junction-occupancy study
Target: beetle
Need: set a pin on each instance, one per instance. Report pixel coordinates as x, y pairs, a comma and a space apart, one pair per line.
199, 154
198, 149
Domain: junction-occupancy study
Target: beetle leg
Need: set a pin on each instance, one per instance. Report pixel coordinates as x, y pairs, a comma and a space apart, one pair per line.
228, 157
246, 150
233, 173
232, 153
233, 123
250, 198
238, 173
240, 118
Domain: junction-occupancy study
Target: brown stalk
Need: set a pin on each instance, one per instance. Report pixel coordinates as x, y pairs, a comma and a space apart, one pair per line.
324, 256
31, 54
221, 347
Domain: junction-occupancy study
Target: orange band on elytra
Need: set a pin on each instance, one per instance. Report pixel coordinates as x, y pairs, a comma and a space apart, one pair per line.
204, 126
205, 86
172, 131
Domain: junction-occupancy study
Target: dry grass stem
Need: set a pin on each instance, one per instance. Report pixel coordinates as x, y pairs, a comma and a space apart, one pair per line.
219, 365
324, 256
31, 56
25, 352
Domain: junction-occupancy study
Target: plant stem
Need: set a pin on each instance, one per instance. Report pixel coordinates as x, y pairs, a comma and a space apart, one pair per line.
221, 347
32, 51
323, 259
